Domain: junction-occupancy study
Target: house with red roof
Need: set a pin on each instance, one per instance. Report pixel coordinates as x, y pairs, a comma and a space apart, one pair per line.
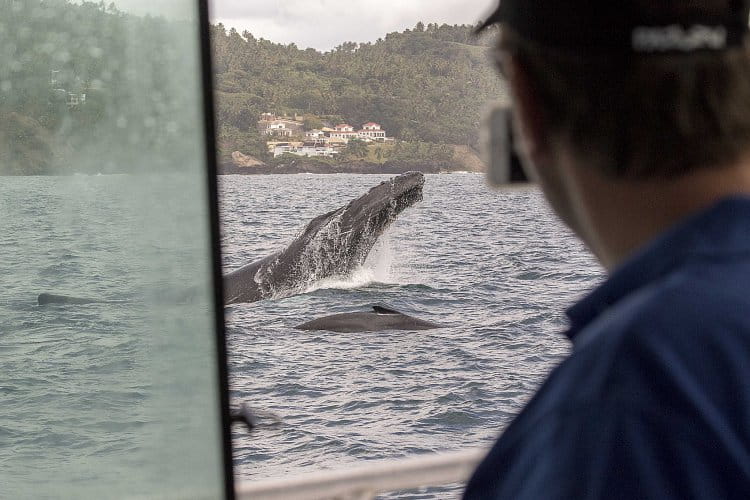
344, 131
371, 132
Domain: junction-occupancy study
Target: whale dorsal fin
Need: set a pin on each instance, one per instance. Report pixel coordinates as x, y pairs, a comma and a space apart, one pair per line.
384, 310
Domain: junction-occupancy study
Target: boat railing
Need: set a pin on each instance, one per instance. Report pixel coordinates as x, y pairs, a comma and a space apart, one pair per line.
365, 481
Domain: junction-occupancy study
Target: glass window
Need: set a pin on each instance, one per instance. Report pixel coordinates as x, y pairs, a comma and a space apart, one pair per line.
110, 385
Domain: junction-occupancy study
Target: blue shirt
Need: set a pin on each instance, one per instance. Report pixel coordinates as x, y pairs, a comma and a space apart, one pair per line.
654, 400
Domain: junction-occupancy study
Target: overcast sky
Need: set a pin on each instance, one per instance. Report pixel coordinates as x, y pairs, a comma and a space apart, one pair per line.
323, 24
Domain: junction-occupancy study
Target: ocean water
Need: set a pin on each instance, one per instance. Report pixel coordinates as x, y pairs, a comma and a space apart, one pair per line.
495, 267
114, 399
96, 400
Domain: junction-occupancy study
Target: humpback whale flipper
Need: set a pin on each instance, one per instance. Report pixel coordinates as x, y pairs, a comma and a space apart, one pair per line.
332, 244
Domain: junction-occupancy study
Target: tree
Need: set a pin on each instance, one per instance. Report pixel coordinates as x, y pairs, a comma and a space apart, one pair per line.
356, 149
311, 122
25, 146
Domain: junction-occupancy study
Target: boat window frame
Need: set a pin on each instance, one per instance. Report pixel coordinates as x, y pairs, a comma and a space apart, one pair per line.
209, 130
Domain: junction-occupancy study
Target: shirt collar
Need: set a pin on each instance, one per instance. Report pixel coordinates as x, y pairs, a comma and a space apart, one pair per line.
722, 229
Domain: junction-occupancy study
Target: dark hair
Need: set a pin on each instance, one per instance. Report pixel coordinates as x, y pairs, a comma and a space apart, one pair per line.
643, 115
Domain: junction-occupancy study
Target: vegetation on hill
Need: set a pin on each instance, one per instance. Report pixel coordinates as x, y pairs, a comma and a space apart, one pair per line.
81, 84
427, 85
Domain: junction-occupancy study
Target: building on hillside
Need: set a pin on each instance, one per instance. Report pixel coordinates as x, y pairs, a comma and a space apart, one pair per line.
316, 148
280, 128
344, 131
273, 125
371, 132
76, 99
281, 148
315, 134
74, 91
272, 144
307, 148
337, 142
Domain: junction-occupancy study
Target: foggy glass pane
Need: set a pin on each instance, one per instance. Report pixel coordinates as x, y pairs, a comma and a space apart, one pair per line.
109, 390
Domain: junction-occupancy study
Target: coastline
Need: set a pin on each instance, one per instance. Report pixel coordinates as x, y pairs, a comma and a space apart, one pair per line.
305, 167
296, 167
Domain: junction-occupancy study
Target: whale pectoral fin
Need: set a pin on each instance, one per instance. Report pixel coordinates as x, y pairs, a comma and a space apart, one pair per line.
384, 310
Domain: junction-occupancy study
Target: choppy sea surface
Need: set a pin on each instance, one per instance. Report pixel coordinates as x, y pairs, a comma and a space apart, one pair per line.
113, 399
110, 399
495, 267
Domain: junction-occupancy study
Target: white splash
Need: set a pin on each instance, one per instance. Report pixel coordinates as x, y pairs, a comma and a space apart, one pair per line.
359, 278
380, 260
376, 269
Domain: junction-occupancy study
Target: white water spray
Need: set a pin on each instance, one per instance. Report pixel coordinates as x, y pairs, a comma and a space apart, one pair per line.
376, 269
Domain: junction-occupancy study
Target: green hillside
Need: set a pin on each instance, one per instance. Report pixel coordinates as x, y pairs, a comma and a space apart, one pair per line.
77, 78
428, 84
81, 83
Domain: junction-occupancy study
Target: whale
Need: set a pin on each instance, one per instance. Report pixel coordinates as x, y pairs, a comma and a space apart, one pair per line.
331, 245
380, 318
49, 298
44, 299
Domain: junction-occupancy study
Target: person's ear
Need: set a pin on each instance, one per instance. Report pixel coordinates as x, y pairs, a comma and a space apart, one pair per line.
531, 128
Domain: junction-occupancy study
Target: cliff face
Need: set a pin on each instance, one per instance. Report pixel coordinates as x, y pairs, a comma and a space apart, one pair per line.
244, 161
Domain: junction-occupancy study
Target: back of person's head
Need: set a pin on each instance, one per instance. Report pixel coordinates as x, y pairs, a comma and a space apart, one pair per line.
676, 99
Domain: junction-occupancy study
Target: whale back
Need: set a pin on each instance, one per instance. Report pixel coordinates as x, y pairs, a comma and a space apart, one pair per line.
48, 298
378, 319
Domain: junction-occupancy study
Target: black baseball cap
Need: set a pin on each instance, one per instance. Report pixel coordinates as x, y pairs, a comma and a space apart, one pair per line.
642, 26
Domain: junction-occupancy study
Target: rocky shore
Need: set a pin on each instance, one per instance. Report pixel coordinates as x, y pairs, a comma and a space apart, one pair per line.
301, 167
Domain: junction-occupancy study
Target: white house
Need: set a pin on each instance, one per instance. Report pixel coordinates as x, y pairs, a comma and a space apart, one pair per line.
279, 126
75, 99
315, 134
309, 149
282, 148
344, 131
371, 132
316, 148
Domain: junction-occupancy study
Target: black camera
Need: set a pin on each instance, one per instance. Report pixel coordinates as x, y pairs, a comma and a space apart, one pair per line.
503, 164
